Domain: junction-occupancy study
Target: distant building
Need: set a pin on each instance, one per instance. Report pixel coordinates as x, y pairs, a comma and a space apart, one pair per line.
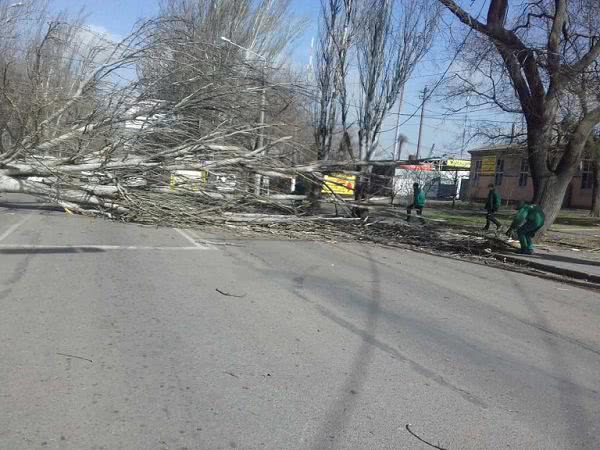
507, 167
440, 178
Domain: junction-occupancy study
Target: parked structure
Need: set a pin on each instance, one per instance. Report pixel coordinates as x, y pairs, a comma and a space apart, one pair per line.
441, 178
507, 167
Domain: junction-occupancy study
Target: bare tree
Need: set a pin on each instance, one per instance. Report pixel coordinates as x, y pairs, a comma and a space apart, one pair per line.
387, 54
331, 70
532, 62
266, 27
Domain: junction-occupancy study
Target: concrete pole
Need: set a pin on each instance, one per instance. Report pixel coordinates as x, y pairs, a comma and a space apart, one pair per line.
263, 105
425, 90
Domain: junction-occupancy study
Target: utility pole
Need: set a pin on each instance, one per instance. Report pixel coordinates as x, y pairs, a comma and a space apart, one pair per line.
462, 149
261, 134
425, 90
397, 146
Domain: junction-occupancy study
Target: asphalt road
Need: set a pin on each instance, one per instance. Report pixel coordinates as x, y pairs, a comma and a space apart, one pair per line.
114, 336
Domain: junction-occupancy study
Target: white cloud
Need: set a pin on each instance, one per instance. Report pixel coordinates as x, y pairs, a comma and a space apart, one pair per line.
102, 33
96, 39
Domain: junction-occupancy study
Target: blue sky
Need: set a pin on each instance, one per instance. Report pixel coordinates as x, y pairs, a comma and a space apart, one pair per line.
118, 17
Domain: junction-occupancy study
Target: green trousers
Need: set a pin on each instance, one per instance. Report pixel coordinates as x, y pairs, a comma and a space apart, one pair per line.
526, 233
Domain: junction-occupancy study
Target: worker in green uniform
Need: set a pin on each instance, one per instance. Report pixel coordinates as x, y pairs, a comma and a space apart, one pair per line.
492, 205
528, 220
418, 202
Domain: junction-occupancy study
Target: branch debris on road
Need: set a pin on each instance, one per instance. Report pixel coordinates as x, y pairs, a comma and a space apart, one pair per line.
74, 356
227, 294
423, 440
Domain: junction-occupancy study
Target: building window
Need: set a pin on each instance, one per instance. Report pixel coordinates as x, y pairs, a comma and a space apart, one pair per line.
587, 174
524, 173
499, 172
477, 173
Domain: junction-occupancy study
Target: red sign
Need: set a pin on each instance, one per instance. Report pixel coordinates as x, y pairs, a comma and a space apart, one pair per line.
417, 167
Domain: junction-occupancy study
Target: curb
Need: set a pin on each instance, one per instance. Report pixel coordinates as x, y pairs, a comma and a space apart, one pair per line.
549, 268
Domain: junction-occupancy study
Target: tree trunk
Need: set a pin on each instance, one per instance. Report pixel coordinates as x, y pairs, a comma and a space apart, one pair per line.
551, 195
361, 190
313, 194
549, 187
73, 196
595, 211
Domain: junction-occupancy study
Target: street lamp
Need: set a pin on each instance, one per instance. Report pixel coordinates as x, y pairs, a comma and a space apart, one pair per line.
263, 104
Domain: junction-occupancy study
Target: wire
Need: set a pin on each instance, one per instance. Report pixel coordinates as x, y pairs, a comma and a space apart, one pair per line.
439, 82
445, 117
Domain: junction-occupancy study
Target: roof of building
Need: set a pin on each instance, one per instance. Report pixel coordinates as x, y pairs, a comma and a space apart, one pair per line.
495, 149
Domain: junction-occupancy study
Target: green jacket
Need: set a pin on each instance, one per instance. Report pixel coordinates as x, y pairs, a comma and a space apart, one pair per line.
531, 214
493, 201
419, 198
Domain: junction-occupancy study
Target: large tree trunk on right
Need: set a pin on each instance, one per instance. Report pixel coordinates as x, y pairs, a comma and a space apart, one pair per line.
595, 211
551, 183
549, 187
550, 196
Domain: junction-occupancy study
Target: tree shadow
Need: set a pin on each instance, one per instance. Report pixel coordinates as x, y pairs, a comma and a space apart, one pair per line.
341, 410
31, 206
49, 250
570, 392
566, 259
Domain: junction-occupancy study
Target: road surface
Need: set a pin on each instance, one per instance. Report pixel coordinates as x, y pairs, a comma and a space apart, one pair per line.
116, 336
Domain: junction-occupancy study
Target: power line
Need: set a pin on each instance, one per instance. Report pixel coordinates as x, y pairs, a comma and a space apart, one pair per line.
446, 118
454, 57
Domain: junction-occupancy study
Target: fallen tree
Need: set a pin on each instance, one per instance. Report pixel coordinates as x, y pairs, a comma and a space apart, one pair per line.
163, 127
126, 129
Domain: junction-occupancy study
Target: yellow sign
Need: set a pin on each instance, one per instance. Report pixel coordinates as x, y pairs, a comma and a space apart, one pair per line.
458, 164
488, 165
339, 184
188, 179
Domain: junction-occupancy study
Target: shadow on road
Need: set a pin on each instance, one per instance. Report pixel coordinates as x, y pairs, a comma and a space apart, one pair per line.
32, 206
571, 394
49, 250
566, 259
341, 410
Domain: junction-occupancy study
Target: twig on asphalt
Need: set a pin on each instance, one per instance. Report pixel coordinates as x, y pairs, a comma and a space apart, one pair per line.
231, 244
231, 374
74, 356
423, 440
227, 294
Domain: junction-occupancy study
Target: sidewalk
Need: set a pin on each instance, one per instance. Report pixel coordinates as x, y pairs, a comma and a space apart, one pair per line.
582, 265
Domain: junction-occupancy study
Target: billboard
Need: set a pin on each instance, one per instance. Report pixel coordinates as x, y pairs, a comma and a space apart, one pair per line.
464, 164
339, 183
488, 165
188, 180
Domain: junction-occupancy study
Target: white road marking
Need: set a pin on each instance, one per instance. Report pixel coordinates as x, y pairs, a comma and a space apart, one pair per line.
12, 228
187, 237
83, 248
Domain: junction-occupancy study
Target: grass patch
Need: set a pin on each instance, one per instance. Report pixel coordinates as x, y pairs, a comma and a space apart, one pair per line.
577, 221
